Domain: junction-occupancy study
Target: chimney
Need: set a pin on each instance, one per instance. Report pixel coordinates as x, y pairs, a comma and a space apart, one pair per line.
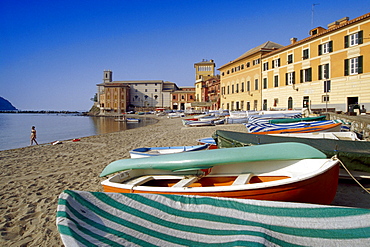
293, 40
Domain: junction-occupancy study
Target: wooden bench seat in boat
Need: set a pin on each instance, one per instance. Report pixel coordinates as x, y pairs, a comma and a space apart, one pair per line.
243, 179
140, 180
186, 182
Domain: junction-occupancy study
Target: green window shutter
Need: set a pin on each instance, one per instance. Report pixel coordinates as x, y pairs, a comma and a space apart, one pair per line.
360, 62
309, 74
301, 75
293, 78
330, 46
346, 42
360, 37
272, 64
279, 62
327, 71
346, 67
320, 50
320, 72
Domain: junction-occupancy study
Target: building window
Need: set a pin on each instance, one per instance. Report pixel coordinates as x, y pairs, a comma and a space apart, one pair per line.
326, 48
290, 78
155, 90
191, 96
353, 39
174, 97
232, 88
248, 86
265, 66
237, 88
276, 81
276, 63
146, 90
276, 102
248, 64
256, 84
228, 89
353, 66
290, 58
325, 98
242, 87
324, 71
264, 83
256, 61
327, 85
306, 75
242, 66
306, 54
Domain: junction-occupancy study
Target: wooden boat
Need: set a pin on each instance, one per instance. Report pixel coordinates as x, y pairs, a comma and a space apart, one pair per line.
264, 172
115, 219
354, 154
301, 127
349, 136
208, 140
155, 151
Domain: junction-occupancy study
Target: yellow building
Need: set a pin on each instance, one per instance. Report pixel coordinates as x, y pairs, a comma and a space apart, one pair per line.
241, 79
328, 69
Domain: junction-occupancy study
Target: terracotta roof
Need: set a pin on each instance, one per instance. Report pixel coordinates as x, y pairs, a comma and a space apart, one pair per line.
267, 46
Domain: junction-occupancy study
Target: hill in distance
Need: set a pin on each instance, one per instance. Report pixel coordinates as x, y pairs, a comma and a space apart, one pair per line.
5, 105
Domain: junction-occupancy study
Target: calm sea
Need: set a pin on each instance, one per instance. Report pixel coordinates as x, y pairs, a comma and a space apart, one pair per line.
15, 129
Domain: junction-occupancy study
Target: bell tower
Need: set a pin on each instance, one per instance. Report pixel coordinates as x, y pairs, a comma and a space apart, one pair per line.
204, 68
107, 76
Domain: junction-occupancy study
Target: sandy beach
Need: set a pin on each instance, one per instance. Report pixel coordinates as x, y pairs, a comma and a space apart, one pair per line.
33, 177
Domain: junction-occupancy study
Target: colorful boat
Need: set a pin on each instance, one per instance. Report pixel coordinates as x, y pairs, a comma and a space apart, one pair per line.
113, 219
264, 172
354, 154
189, 123
155, 151
295, 120
301, 127
208, 140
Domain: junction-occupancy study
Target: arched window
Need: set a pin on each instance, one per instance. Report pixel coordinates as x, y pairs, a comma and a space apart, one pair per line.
290, 103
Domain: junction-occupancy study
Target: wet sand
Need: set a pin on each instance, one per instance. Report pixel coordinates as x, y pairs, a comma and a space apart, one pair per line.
33, 177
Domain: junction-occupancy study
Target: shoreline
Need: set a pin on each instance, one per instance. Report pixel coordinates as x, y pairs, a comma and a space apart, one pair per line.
33, 177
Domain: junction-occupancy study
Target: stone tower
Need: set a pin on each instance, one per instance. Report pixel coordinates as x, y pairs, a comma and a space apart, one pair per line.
107, 77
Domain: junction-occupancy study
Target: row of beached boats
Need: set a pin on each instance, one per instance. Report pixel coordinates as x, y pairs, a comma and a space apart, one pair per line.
292, 161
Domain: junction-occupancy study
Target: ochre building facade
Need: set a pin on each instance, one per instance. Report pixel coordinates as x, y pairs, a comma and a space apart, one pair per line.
328, 69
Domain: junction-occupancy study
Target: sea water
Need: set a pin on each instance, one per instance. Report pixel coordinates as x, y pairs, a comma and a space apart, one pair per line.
15, 128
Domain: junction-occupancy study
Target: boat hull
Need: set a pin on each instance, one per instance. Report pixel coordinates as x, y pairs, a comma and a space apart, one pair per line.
329, 127
155, 151
319, 189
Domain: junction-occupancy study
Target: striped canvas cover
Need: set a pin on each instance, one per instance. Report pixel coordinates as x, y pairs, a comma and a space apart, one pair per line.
106, 219
263, 127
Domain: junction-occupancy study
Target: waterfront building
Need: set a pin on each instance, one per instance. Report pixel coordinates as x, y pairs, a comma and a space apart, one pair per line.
241, 79
326, 70
120, 96
204, 71
182, 98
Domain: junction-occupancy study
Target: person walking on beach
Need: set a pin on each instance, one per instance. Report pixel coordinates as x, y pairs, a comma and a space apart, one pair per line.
33, 135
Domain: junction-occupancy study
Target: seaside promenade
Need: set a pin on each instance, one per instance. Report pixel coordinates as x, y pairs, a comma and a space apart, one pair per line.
33, 177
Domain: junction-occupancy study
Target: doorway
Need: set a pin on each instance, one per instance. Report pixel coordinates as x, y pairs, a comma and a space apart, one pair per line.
351, 101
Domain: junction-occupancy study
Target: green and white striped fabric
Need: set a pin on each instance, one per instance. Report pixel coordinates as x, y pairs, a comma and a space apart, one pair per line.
113, 219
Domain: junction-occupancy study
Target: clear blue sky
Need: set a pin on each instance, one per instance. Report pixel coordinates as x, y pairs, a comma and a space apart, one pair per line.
53, 53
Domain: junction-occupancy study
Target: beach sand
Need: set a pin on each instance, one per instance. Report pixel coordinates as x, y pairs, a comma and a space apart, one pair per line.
33, 177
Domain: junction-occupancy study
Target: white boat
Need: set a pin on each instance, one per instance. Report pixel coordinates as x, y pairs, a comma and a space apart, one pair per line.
155, 151
190, 123
263, 172
350, 136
